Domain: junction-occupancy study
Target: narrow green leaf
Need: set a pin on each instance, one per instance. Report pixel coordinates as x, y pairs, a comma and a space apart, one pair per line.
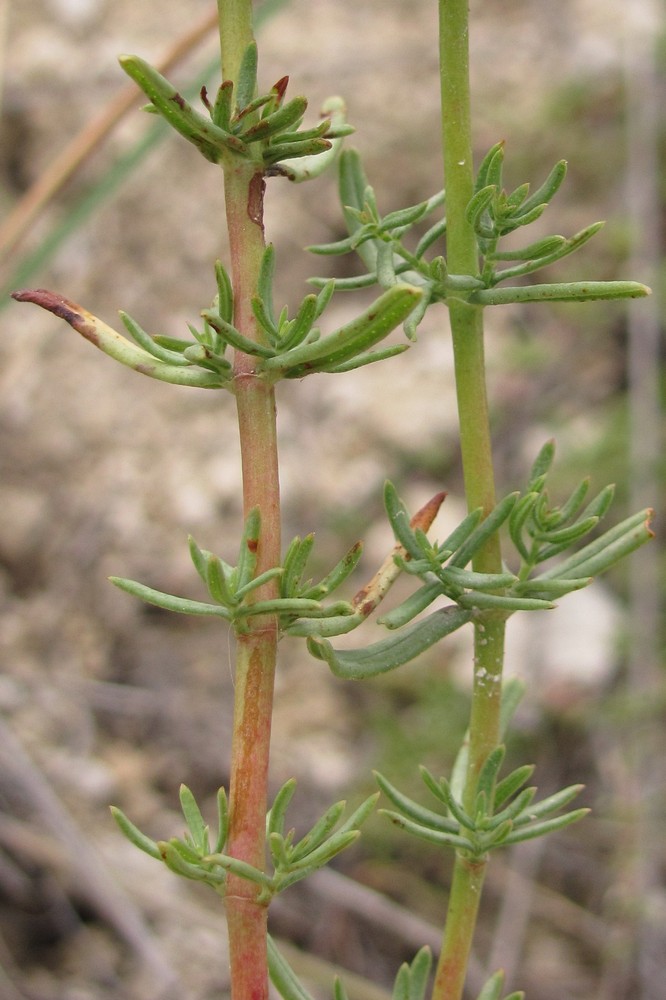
295, 561
419, 973
386, 275
359, 361
430, 237
278, 847
302, 323
225, 295
475, 600
168, 601
484, 531
400, 522
566, 536
145, 340
283, 977
292, 150
479, 205
247, 77
320, 856
240, 868
468, 579
235, 338
599, 506
337, 625
558, 800
290, 114
286, 606
411, 607
194, 819
340, 572
533, 251
608, 549
488, 774
364, 332
265, 320
490, 168
221, 111
276, 816
193, 126
317, 132
517, 196
492, 988
265, 283
258, 581
542, 463
425, 833
508, 224
570, 246
336, 248
401, 984
360, 814
134, 835
199, 559
187, 851
520, 803
519, 517
544, 194
404, 217
220, 583
222, 821
307, 167
522, 833
509, 786
380, 657
339, 991
572, 291
415, 317
550, 589
248, 553
174, 860
456, 808
318, 834
413, 810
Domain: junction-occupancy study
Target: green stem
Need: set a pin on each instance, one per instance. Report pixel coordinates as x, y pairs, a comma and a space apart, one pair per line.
459, 931
257, 643
476, 447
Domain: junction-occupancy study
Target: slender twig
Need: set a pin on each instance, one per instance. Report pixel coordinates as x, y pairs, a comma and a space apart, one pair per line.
467, 333
257, 644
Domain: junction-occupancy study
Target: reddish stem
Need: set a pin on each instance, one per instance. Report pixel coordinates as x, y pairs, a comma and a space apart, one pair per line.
257, 644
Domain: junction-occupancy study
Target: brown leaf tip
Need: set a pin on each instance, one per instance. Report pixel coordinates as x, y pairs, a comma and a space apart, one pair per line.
427, 514
54, 303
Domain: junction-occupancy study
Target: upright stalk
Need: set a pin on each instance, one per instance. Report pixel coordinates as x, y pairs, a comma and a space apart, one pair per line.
476, 448
257, 643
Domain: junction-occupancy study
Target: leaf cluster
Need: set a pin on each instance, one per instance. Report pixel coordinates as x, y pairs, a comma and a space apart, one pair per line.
290, 348
540, 533
503, 812
232, 588
194, 856
265, 129
491, 212
293, 348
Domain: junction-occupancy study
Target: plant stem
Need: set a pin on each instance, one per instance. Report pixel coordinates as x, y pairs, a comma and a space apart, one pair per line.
257, 644
476, 448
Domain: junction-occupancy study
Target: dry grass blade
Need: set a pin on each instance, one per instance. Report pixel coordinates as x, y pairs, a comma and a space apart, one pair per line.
19, 221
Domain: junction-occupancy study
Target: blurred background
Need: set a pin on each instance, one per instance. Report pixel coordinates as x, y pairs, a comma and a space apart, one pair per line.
105, 701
